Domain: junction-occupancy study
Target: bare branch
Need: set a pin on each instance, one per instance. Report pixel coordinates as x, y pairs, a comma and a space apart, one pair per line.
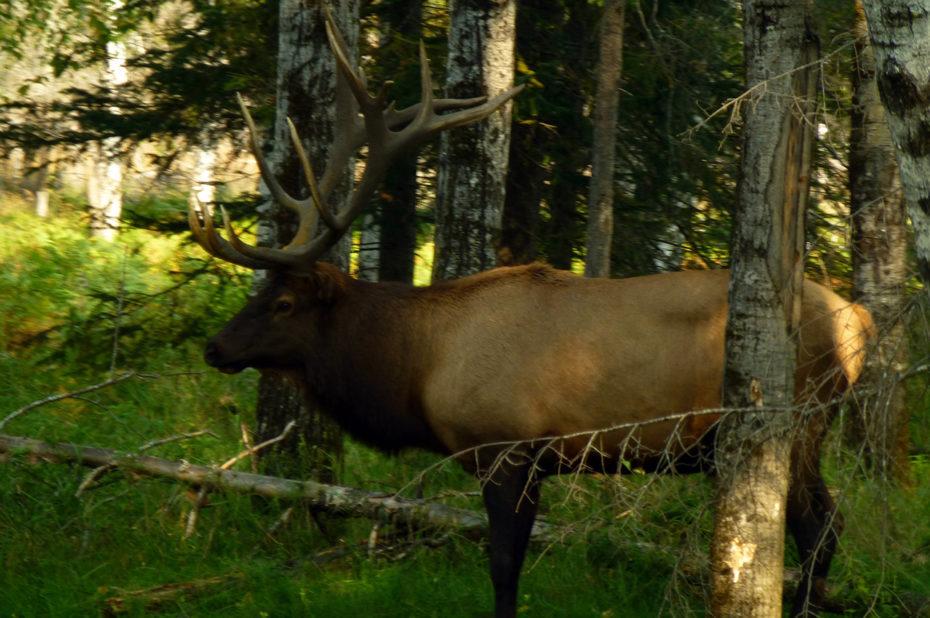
251, 450
69, 395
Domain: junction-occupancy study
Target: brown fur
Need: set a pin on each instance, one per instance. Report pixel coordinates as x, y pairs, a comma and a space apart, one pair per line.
529, 353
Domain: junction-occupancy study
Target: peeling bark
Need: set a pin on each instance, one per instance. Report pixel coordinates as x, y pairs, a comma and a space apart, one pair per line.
747, 551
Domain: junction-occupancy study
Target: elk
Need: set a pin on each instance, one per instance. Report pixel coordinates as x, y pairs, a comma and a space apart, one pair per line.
520, 372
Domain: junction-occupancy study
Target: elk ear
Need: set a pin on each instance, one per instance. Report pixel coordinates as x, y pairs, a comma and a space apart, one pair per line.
327, 282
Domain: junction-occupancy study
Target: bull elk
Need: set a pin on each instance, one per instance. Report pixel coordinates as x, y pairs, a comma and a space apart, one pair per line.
524, 371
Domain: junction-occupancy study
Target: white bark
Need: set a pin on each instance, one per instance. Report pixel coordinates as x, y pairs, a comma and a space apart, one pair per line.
900, 34
369, 253
473, 159
204, 180
764, 302
105, 192
880, 270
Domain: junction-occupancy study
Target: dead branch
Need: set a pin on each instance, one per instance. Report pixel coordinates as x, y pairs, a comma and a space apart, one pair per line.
155, 598
70, 395
334, 499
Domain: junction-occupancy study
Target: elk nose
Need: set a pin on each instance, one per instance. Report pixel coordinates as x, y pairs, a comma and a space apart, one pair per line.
211, 353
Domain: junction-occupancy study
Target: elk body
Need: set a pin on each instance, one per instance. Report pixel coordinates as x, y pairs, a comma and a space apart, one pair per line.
523, 371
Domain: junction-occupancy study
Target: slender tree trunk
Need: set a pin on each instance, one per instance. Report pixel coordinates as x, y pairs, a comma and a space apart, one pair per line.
899, 31
104, 191
754, 449
307, 94
473, 159
601, 196
879, 219
369, 249
203, 185
397, 199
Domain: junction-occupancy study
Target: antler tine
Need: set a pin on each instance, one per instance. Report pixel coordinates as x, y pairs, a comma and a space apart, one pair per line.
383, 144
376, 126
213, 243
277, 191
306, 220
294, 252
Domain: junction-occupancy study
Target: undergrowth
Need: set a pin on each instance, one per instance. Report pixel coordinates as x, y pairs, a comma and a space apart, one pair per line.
74, 311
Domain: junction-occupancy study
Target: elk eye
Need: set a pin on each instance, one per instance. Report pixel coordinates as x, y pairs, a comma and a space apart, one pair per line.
283, 306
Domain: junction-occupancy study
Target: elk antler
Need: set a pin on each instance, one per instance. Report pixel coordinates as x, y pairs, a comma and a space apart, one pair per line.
378, 126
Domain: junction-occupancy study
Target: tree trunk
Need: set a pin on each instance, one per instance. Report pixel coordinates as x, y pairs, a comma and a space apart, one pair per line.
306, 93
473, 159
104, 184
879, 220
899, 31
397, 199
601, 196
747, 551
369, 249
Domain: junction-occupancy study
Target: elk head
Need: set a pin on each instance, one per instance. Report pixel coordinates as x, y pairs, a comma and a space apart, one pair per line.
299, 285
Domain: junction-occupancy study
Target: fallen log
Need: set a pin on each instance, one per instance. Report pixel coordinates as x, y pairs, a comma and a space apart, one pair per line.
333, 499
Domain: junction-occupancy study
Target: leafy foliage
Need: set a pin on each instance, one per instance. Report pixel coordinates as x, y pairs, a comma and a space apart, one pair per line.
196, 56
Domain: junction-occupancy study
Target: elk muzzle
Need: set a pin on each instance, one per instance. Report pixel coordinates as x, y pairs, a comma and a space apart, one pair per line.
214, 356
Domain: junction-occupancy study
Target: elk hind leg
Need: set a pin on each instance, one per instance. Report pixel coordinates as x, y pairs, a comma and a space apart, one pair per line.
511, 498
816, 524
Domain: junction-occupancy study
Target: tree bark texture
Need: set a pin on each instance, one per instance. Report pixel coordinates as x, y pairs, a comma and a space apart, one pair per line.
307, 93
606, 102
747, 552
899, 31
473, 159
879, 252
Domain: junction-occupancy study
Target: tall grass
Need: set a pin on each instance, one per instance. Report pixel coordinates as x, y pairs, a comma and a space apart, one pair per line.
72, 311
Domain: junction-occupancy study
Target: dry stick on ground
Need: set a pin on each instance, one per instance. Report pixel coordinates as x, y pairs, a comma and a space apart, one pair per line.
334, 499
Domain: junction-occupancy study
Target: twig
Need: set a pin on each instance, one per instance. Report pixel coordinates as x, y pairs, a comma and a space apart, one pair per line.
177, 438
199, 501
70, 395
251, 450
247, 440
120, 301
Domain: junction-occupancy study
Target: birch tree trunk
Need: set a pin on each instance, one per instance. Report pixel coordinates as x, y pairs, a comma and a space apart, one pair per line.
601, 196
899, 31
473, 159
879, 220
753, 451
104, 184
307, 94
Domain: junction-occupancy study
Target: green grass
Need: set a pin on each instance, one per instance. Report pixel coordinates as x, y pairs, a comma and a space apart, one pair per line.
63, 300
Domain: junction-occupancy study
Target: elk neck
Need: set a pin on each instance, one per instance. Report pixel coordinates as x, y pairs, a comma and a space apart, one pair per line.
373, 348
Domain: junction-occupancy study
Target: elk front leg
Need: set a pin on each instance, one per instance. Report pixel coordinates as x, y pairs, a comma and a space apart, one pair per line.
511, 498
